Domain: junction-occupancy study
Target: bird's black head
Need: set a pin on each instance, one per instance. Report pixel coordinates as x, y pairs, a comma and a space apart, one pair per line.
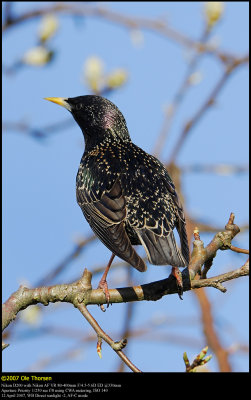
98, 118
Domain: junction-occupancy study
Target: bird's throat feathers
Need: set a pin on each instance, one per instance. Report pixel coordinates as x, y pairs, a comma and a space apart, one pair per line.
108, 133
104, 138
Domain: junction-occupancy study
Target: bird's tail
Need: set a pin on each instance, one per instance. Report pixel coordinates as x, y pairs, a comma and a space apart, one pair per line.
163, 250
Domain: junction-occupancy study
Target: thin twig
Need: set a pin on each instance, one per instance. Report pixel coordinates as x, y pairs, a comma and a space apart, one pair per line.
205, 106
100, 333
178, 97
131, 22
238, 250
219, 169
77, 250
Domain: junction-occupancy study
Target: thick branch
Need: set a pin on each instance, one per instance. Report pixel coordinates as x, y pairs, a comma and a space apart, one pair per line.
155, 290
222, 240
81, 294
25, 297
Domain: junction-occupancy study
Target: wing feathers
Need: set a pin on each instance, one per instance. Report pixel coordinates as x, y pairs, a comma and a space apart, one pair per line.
107, 219
116, 239
109, 213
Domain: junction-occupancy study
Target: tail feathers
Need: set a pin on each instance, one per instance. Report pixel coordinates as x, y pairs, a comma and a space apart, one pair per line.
183, 241
162, 250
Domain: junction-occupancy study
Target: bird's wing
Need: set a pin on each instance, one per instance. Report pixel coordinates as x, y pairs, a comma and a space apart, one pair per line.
106, 218
154, 210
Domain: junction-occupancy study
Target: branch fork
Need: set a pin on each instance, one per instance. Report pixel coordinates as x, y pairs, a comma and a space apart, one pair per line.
81, 294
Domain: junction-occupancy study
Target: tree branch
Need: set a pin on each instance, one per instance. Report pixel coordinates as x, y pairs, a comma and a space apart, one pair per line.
116, 346
206, 105
131, 22
81, 294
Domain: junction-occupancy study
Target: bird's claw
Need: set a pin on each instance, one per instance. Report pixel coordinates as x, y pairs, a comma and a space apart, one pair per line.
103, 285
177, 274
180, 291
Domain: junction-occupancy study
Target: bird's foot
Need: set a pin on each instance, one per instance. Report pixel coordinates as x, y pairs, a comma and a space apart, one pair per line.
104, 286
177, 274
103, 283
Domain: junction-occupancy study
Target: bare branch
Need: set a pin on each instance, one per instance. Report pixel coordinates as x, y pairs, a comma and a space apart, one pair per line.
238, 250
76, 251
116, 346
158, 26
178, 97
222, 240
206, 105
82, 292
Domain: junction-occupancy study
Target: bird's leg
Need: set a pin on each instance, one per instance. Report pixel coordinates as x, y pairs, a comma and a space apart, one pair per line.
103, 283
177, 274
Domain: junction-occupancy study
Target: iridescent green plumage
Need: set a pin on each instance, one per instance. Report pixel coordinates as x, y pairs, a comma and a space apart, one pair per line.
125, 194
145, 208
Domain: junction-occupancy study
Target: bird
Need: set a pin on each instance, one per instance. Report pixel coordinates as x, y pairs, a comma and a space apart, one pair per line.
125, 194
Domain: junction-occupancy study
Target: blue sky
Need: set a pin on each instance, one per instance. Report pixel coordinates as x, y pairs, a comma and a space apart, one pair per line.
41, 219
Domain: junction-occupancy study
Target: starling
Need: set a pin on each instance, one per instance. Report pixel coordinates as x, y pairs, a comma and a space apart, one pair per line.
125, 194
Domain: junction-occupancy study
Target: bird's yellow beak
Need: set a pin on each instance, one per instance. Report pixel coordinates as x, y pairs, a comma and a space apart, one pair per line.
60, 101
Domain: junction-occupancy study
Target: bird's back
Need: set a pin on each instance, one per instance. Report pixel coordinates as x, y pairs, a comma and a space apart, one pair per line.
154, 209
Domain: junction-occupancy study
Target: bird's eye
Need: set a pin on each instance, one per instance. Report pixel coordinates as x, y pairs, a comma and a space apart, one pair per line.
78, 106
